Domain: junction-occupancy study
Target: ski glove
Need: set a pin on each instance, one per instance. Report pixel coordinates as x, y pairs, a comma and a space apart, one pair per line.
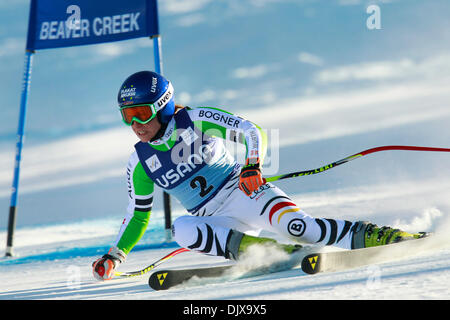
103, 268
250, 178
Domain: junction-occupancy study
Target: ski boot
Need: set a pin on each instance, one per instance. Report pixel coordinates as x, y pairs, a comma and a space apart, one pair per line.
239, 242
367, 235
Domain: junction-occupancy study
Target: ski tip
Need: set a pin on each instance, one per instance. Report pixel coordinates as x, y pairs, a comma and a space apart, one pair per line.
311, 263
424, 234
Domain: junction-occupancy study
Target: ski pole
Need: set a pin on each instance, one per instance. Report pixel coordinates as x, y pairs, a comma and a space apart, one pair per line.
350, 158
150, 267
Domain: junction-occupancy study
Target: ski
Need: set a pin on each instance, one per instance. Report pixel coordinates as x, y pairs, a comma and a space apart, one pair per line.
349, 259
311, 263
165, 279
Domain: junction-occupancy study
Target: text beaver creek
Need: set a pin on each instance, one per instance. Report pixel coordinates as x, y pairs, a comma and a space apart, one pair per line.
99, 26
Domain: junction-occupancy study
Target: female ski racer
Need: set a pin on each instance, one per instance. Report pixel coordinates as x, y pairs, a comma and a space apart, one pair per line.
181, 150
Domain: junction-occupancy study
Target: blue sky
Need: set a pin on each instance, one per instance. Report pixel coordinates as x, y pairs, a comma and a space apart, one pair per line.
308, 68
215, 52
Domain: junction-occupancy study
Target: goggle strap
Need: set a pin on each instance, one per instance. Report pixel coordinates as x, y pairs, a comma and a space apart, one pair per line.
162, 101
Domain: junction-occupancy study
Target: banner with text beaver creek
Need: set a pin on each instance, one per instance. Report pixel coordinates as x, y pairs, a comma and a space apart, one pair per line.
67, 23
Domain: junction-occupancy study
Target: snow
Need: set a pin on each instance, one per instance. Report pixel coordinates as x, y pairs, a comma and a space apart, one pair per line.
68, 276
423, 277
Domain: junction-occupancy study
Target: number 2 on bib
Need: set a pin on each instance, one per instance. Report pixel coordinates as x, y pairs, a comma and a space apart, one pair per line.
200, 182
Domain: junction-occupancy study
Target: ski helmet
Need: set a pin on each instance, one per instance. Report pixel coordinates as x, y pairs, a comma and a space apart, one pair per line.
148, 87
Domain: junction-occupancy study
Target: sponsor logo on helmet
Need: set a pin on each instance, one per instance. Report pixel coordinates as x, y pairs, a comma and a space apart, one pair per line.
162, 102
165, 98
154, 83
127, 92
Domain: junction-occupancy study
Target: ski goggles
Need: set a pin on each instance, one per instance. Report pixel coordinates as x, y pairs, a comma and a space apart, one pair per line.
144, 113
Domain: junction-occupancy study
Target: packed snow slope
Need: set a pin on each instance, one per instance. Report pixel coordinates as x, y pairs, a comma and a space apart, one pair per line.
56, 260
